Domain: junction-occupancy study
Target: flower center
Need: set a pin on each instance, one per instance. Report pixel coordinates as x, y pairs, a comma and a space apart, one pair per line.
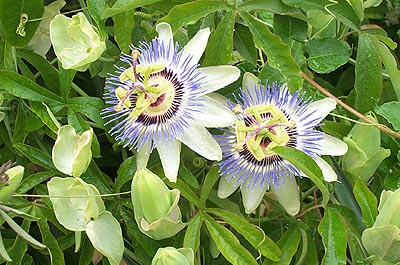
153, 94
263, 128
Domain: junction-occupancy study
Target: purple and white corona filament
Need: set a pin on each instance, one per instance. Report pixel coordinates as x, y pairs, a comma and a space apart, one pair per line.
162, 99
269, 116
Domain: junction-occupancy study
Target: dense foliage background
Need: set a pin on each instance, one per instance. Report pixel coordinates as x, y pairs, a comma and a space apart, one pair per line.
348, 47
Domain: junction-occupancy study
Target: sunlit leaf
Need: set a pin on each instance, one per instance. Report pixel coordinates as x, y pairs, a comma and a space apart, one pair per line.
278, 53
327, 54
307, 165
333, 233
391, 112
123, 26
192, 234
251, 233
122, 6
288, 243
228, 243
368, 84
190, 12
219, 47
10, 15
367, 201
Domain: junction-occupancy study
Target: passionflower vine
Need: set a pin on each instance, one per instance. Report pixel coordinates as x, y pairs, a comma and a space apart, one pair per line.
162, 98
270, 116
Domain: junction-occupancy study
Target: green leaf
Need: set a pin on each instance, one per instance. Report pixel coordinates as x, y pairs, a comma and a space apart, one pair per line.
149, 246
278, 53
251, 233
384, 242
10, 16
35, 155
56, 254
327, 54
391, 112
341, 9
8, 60
390, 64
46, 70
307, 165
21, 232
25, 88
125, 5
274, 6
289, 244
20, 246
192, 234
42, 112
290, 28
19, 134
333, 233
368, 84
185, 190
125, 172
3, 252
123, 26
211, 178
367, 201
88, 106
227, 243
220, 46
243, 43
34, 179
106, 236
66, 77
190, 12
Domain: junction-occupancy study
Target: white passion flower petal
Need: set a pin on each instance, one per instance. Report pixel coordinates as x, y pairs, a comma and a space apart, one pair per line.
320, 109
252, 195
196, 46
250, 82
327, 171
330, 145
218, 77
288, 195
165, 33
169, 153
226, 187
143, 155
197, 138
214, 114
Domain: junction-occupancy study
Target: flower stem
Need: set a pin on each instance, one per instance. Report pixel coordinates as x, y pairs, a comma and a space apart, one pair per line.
348, 108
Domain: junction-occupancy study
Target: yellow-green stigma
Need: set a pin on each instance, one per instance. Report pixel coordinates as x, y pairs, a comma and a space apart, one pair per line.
263, 128
153, 94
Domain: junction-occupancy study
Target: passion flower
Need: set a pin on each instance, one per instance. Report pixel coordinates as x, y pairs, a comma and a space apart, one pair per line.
160, 99
269, 116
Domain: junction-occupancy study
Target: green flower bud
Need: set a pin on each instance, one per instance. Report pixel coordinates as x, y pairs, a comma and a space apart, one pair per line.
364, 153
75, 202
40, 43
75, 41
173, 256
10, 179
156, 207
71, 152
383, 239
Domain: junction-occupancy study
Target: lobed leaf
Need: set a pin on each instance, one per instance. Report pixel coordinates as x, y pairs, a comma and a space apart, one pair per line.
192, 234
333, 233
190, 12
367, 201
227, 243
278, 53
251, 233
368, 84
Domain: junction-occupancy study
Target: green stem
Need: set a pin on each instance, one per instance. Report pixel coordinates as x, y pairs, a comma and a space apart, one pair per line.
60, 196
79, 90
6, 108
